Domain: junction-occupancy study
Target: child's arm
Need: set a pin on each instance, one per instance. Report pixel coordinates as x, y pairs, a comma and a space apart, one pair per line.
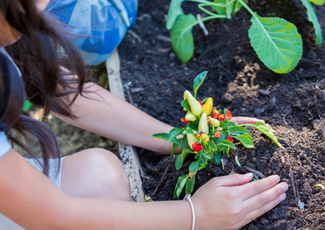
31, 200
105, 114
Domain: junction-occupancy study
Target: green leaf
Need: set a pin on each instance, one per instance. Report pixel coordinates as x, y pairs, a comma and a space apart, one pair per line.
227, 150
27, 105
180, 142
180, 159
238, 130
216, 159
174, 149
245, 140
198, 81
237, 7
190, 185
265, 129
186, 105
183, 142
174, 133
276, 42
203, 165
212, 146
204, 100
188, 131
164, 136
180, 185
192, 125
182, 38
232, 8
208, 155
227, 143
219, 140
229, 124
219, 9
175, 9
313, 18
194, 166
237, 161
318, 2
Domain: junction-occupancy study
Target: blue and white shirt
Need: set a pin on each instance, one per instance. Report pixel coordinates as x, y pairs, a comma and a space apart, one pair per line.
99, 25
4, 144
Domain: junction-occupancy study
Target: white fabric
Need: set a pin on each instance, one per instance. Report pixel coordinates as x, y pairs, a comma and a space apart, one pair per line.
4, 144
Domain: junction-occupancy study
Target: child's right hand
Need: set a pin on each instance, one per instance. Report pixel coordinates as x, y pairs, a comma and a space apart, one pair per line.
230, 202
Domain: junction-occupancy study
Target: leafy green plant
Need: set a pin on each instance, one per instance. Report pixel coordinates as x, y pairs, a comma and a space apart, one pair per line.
276, 41
209, 133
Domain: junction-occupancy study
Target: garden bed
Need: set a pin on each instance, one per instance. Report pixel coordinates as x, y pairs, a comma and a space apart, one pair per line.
292, 104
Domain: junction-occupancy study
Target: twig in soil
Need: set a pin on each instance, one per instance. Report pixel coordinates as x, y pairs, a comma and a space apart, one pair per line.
158, 185
293, 224
293, 185
163, 38
135, 35
258, 173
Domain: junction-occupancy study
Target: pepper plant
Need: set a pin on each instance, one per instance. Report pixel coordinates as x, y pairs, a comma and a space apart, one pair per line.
208, 133
276, 41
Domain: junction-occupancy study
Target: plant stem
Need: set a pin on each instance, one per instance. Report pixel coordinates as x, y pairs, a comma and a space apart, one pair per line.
247, 8
207, 2
201, 7
242, 125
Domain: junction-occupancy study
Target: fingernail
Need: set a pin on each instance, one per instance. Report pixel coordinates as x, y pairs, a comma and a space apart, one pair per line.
248, 175
282, 197
276, 178
284, 187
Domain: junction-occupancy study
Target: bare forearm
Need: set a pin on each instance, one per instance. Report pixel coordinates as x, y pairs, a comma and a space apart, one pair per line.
107, 115
104, 214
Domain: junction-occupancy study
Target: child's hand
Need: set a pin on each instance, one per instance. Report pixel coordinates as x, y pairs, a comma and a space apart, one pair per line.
230, 202
245, 120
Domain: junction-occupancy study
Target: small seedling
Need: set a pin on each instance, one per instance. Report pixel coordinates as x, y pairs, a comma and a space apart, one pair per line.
209, 134
276, 41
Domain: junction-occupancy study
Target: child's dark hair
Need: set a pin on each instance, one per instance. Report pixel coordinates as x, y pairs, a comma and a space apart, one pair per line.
39, 55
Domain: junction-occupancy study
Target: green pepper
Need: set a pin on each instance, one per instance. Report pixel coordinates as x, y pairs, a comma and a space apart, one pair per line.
190, 116
203, 124
196, 108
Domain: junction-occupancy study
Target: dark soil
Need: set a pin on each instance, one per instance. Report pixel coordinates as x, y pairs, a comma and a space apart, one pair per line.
292, 104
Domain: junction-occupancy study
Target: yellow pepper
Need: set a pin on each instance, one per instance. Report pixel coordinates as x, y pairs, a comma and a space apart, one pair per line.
213, 122
190, 116
191, 139
205, 138
196, 108
203, 124
207, 107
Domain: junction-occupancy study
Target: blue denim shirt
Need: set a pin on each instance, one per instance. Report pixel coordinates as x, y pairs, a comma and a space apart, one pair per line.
97, 26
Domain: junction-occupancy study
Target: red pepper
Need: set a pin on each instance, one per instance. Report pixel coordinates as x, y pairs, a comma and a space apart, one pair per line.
229, 138
217, 134
228, 114
200, 102
215, 114
209, 122
197, 147
184, 120
221, 117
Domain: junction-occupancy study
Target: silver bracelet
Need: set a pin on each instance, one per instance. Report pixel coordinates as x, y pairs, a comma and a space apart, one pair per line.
188, 198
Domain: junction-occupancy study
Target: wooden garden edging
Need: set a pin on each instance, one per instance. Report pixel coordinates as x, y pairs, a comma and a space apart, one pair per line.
128, 155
